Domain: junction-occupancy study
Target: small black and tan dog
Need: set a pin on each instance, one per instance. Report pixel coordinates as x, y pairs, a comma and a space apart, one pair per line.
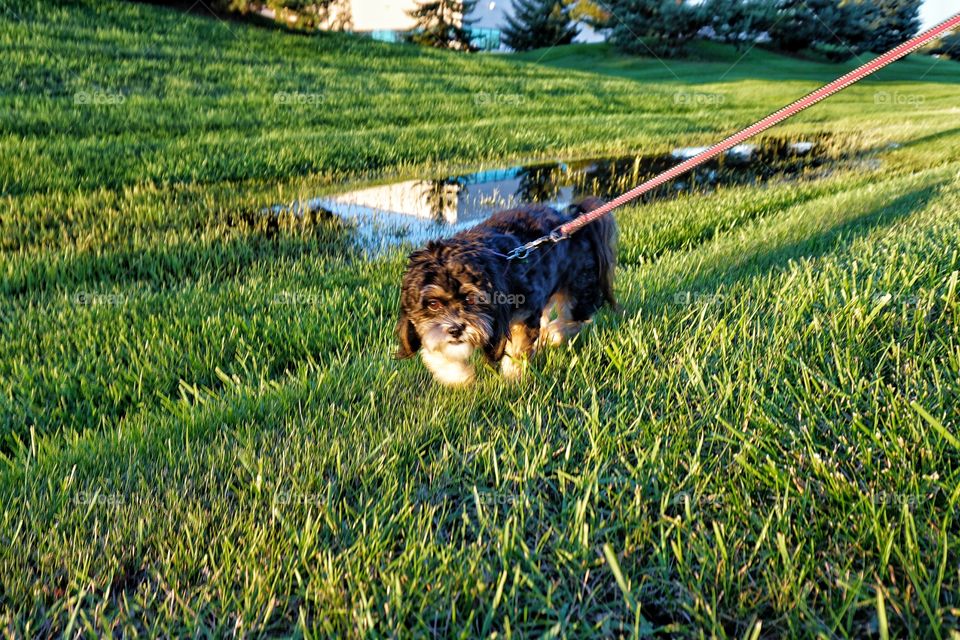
462, 294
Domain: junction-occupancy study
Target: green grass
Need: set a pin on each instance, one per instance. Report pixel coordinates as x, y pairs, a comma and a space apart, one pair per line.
202, 431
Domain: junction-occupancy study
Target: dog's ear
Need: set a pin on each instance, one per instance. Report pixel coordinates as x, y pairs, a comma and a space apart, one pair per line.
500, 331
497, 345
587, 204
407, 336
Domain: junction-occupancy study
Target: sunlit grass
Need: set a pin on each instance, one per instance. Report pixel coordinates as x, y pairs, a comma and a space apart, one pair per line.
203, 432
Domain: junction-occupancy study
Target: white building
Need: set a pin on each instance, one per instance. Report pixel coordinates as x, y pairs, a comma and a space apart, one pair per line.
381, 15
391, 15
384, 17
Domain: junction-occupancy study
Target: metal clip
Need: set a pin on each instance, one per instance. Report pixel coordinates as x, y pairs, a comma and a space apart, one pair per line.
521, 252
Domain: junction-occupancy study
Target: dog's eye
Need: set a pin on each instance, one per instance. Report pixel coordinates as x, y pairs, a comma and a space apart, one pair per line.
434, 305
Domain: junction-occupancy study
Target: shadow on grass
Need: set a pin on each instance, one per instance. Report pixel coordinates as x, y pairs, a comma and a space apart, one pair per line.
713, 63
210, 12
771, 258
933, 137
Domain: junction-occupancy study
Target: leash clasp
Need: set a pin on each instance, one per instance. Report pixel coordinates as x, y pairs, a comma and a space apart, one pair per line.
521, 252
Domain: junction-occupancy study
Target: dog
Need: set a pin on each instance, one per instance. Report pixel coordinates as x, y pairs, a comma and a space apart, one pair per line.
461, 294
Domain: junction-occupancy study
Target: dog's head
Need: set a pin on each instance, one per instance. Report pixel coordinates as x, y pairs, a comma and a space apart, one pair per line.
448, 301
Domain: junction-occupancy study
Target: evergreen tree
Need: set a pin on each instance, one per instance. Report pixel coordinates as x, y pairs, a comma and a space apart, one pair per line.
838, 28
950, 46
795, 26
442, 24
539, 23
892, 23
853, 26
660, 27
738, 21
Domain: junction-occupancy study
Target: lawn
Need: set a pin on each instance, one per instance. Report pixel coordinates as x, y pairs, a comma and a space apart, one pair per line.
202, 431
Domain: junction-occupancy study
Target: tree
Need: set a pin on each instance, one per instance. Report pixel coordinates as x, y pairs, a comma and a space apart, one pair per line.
950, 46
795, 26
661, 27
590, 12
847, 28
838, 28
539, 23
442, 24
892, 23
304, 14
738, 21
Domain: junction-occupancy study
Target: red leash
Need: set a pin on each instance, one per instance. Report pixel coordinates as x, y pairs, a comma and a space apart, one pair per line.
565, 230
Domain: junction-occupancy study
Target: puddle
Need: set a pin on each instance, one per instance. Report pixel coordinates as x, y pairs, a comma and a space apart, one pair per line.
417, 210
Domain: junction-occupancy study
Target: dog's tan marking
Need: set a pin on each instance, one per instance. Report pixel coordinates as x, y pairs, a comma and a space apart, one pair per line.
554, 331
519, 348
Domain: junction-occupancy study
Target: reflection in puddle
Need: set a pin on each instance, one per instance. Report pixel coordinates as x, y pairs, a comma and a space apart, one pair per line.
417, 210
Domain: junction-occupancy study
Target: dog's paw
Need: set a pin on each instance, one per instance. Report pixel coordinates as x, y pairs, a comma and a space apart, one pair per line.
513, 369
558, 332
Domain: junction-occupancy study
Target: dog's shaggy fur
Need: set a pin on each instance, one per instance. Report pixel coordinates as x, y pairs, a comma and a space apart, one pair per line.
459, 295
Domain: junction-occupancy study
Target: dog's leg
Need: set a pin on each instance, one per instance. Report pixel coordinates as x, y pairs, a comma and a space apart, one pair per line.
556, 331
520, 347
449, 368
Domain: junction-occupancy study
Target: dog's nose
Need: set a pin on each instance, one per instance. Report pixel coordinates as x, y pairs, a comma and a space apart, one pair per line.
455, 330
